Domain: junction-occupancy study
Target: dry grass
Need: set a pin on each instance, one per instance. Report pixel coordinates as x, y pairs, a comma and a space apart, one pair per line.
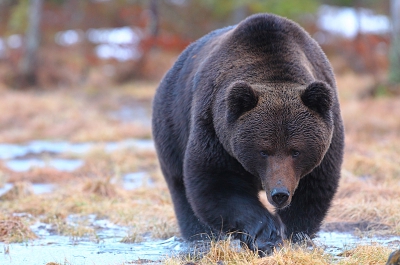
371, 171
295, 255
225, 252
14, 229
101, 187
96, 189
371, 255
218, 252
77, 115
76, 232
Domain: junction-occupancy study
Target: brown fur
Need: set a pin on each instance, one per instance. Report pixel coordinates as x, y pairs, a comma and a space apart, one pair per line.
247, 108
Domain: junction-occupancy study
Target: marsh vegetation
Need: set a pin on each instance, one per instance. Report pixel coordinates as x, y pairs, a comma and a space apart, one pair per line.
118, 198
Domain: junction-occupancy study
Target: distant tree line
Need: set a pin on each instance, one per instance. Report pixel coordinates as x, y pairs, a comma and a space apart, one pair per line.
189, 19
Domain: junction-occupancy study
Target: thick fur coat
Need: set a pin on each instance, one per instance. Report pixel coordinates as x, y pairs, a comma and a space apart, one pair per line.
250, 108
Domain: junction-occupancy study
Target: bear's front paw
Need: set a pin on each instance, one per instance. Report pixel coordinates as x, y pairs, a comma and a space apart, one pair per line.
266, 247
265, 236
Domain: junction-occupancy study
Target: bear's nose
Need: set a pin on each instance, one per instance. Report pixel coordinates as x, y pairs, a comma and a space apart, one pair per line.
280, 196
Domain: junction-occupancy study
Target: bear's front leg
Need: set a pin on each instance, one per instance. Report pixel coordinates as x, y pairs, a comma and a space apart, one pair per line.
225, 197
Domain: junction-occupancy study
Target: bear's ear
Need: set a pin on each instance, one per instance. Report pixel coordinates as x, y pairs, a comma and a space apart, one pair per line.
241, 98
318, 97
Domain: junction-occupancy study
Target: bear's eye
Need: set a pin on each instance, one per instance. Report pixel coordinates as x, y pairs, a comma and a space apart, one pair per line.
264, 154
295, 153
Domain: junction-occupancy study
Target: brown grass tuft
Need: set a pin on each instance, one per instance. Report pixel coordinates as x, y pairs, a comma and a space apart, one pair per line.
13, 229
76, 231
134, 236
100, 186
40, 175
227, 252
371, 255
295, 255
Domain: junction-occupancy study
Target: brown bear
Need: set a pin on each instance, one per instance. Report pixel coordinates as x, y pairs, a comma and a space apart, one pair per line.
250, 108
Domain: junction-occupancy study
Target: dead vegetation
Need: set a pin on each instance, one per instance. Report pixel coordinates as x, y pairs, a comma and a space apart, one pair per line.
222, 252
78, 115
14, 229
371, 169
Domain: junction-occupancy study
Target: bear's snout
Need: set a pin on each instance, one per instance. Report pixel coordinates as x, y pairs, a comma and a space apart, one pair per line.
280, 196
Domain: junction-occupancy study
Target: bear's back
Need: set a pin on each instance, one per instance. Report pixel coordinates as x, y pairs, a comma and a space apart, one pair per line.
280, 48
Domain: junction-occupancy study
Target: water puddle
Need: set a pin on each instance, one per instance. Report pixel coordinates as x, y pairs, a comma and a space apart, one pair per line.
336, 242
37, 188
106, 249
130, 181
106, 246
5, 188
140, 144
21, 165
11, 151
23, 157
136, 180
137, 114
60, 249
42, 188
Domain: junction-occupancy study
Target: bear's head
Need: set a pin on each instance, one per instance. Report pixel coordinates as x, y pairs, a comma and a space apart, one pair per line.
278, 133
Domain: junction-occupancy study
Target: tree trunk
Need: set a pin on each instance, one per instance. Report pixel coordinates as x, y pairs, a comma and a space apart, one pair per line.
153, 26
394, 74
28, 62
